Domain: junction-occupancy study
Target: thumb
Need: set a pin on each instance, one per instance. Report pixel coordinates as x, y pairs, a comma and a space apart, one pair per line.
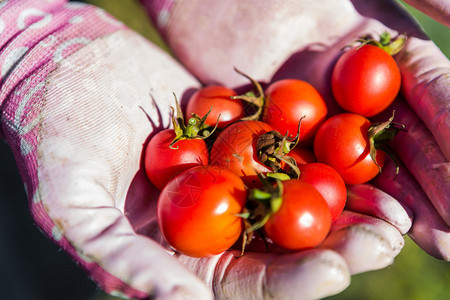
89, 153
76, 122
437, 9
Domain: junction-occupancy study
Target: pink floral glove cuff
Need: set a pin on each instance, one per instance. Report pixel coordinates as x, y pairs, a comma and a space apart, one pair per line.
35, 36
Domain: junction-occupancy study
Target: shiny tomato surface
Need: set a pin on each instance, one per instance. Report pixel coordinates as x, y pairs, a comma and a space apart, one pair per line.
235, 150
365, 80
287, 101
217, 98
303, 220
197, 211
343, 143
328, 183
162, 163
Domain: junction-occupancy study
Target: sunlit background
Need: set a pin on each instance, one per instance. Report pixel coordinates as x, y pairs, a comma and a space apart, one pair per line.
32, 268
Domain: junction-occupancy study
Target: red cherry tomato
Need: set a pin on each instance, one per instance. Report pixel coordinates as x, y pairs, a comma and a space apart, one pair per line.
365, 80
343, 143
163, 163
287, 101
230, 110
328, 183
303, 220
197, 211
302, 155
235, 150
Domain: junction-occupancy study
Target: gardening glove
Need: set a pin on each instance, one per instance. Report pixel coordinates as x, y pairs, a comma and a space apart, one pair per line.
300, 39
80, 96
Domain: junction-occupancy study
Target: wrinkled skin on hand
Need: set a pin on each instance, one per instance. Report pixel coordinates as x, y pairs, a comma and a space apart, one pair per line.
104, 102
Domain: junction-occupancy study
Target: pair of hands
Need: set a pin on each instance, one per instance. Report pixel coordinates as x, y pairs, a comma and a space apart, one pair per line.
79, 137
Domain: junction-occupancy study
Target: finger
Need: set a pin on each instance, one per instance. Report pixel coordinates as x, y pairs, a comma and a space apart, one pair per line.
437, 9
311, 274
429, 230
426, 86
365, 242
420, 153
237, 34
367, 199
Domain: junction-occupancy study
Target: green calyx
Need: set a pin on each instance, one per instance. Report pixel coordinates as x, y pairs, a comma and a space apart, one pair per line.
261, 205
194, 129
379, 134
257, 100
385, 42
270, 197
272, 150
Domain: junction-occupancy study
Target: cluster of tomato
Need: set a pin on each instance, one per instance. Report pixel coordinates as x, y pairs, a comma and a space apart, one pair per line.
282, 168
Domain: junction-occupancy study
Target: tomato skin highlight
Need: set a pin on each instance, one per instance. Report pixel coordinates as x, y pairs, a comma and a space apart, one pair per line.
230, 110
235, 150
328, 183
303, 220
287, 101
197, 211
365, 80
342, 142
163, 163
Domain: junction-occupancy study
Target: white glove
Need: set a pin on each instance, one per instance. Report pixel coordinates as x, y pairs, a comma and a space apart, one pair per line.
78, 117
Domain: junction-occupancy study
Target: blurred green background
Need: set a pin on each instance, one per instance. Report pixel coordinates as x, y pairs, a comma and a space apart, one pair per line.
414, 274
32, 268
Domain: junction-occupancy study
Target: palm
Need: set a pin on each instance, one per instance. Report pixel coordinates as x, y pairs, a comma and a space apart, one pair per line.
270, 41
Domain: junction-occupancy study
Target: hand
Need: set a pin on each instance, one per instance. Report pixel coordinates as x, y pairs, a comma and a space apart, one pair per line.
84, 175
303, 41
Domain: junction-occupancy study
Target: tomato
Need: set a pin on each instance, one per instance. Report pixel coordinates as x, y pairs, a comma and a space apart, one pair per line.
328, 183
162, 163
235, 149
343, 143
302, 155
197, 211
303, 219
365, 80
230, 110
287, 101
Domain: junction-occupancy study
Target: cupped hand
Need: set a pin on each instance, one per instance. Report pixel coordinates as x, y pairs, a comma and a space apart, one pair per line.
79, 134
299, 39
